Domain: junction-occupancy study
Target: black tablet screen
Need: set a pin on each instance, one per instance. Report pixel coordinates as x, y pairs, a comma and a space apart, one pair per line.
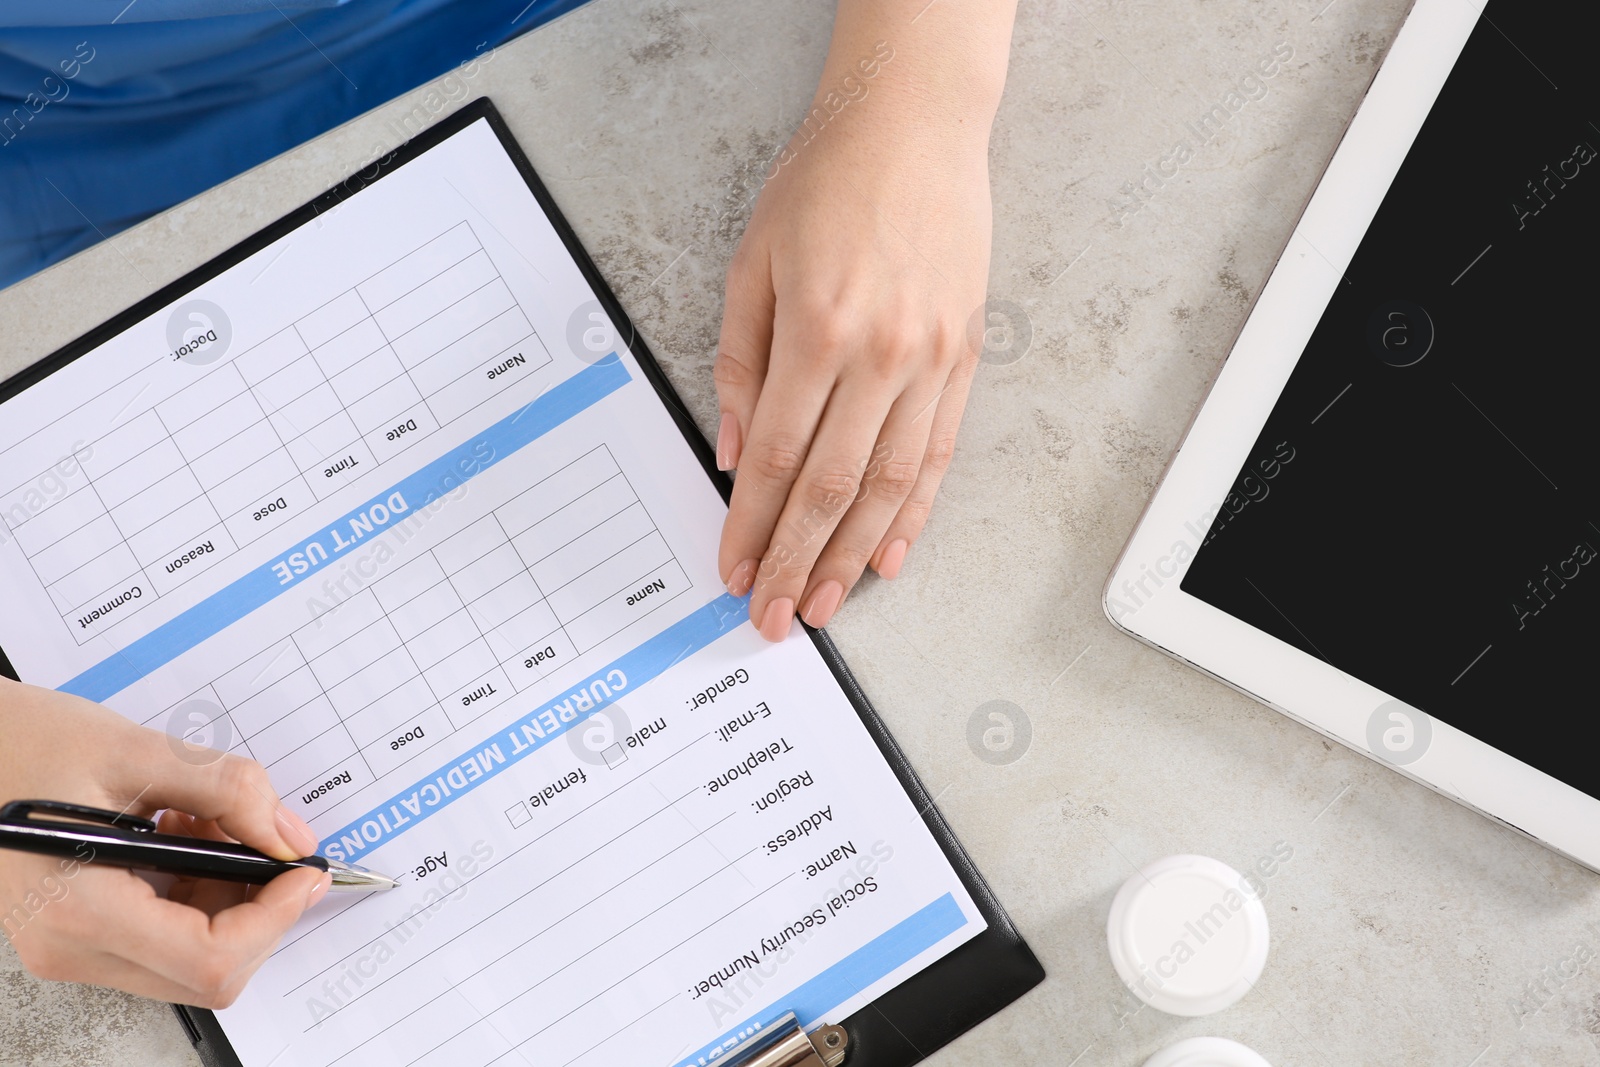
1420, 510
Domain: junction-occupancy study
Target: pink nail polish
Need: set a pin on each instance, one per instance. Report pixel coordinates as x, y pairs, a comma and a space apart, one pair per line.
775, 623
728, 443
824, 602
743, 577
893, 557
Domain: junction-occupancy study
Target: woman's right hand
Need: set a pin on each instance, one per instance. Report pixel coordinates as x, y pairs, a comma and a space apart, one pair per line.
71, 921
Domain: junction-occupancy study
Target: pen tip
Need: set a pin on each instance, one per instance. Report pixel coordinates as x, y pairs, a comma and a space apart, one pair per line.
348, 877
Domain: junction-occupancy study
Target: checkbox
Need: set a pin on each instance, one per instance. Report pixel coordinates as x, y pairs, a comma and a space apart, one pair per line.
518, 814
615, 756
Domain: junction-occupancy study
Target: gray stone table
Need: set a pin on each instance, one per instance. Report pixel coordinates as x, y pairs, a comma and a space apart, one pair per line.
1405, 929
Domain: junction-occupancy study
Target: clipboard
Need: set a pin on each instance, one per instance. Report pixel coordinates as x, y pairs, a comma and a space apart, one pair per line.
903, 1026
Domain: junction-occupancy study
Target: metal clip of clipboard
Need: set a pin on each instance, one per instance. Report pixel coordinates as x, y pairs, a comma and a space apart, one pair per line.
781, 1043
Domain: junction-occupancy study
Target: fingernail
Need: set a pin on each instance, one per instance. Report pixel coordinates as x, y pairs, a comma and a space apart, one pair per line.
728, 443
743, 577
775, 623
824, 602
319, 890
297, 832
893, 557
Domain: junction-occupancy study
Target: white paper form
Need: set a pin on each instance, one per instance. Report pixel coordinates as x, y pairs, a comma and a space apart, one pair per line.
385, 507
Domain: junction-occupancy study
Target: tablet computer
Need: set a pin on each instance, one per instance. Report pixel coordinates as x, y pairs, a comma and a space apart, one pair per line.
1383, 520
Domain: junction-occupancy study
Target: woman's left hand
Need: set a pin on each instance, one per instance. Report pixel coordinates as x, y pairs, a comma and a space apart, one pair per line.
844, 361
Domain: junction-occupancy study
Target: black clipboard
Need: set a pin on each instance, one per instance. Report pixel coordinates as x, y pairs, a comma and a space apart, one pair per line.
905, 1025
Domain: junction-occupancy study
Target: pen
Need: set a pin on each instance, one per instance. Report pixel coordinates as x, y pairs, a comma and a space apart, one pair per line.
94, 835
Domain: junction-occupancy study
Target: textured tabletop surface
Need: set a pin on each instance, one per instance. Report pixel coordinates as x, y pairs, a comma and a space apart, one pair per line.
1405, 929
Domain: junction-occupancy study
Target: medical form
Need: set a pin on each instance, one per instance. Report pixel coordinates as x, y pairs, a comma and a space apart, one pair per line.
391, 506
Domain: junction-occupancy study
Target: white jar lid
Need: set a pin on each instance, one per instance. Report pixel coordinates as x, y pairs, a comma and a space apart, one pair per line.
1206, 1052
1187, 935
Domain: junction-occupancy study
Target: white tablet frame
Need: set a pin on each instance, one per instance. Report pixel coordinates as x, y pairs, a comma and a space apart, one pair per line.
1142, 596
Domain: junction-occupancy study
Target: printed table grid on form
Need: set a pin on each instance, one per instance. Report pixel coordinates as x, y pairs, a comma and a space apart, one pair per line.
263, 436
405, 659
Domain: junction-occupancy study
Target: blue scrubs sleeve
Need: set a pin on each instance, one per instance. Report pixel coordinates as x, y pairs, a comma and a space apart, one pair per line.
111, 111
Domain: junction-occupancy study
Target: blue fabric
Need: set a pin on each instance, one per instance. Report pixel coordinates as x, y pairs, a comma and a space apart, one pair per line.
111, 111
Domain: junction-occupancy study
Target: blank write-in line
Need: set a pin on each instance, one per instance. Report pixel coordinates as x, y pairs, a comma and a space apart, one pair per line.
534, 937
624, 1028
534, 888
601, 993
629, 975
509, 856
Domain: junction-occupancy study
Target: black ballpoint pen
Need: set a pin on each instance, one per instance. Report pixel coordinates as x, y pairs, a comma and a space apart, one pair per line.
94, 835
